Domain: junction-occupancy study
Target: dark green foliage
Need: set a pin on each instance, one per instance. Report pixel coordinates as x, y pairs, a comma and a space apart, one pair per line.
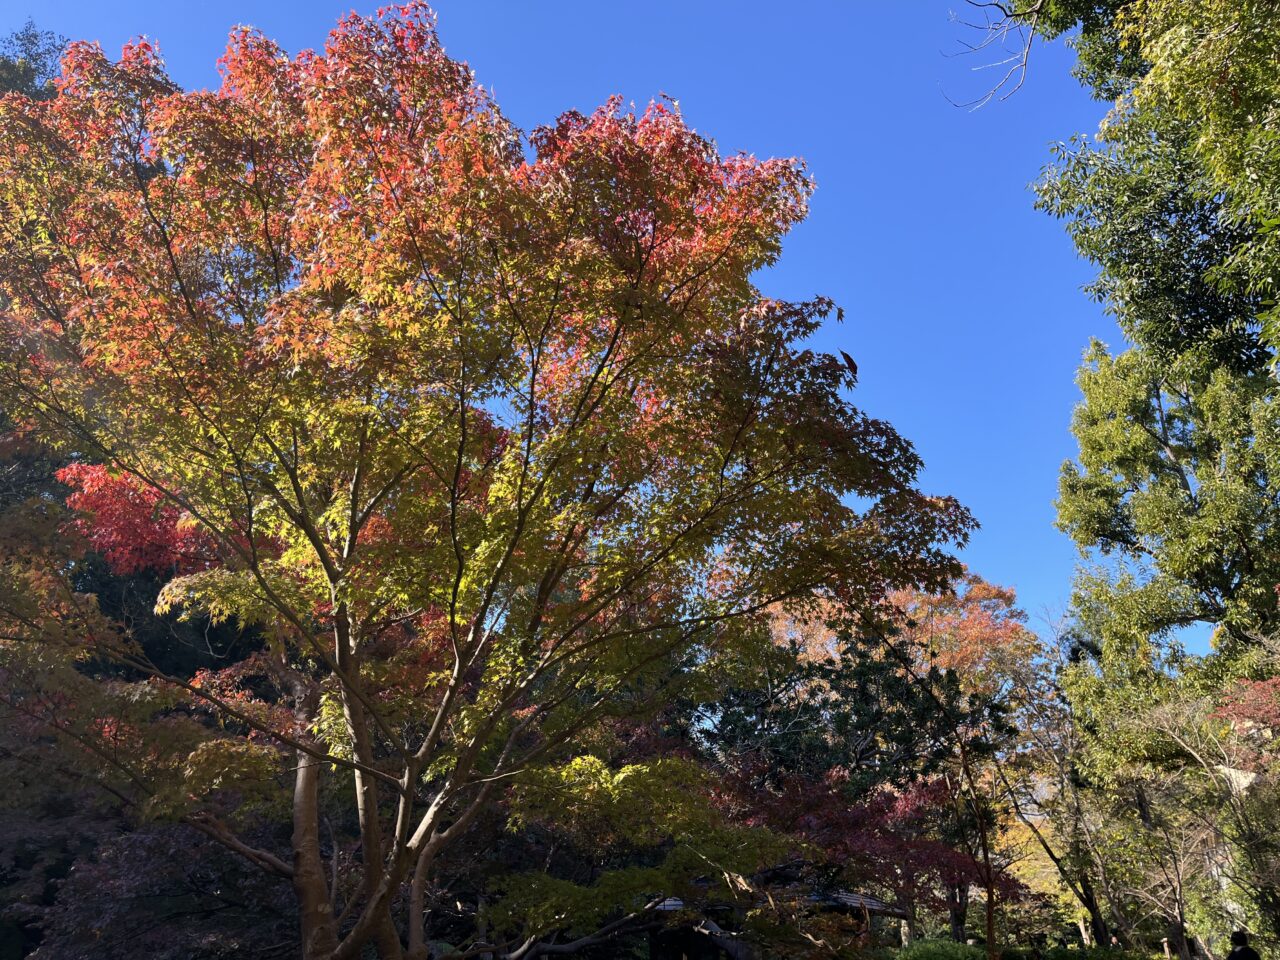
29, 61
941, 950
860, 713
1177, 484
1138, 203
1076, 953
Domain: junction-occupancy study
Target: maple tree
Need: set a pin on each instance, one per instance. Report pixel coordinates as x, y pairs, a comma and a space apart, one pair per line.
840, 749
477, 435
872, 741
968, 645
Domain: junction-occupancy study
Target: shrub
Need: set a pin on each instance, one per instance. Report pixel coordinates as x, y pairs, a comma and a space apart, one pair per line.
941, 950
1075, 953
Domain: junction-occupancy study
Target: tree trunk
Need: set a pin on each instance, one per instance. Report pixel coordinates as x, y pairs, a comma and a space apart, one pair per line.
318, 931
1086, 935
385, 936
387, 939
1097, 922
958, 910
1178, 940
988, 871
417, 911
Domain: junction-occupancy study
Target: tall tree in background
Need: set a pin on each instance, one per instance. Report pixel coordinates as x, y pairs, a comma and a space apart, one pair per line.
1174, 498
845, 746
969, 648
1175, 482
1041, 779
481, 447
1211, 66
29, 62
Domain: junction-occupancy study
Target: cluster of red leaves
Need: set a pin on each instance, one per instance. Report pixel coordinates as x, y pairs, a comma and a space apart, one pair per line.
131, 525
411, 656
250, 687
1252, 707
1254, 702
887, 840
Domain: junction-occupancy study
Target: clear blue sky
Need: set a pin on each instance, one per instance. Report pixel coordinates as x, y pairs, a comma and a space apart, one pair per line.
963, 304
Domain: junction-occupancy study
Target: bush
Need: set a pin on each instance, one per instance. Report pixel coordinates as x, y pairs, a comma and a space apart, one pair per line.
950, 950
1076, 953
941, 950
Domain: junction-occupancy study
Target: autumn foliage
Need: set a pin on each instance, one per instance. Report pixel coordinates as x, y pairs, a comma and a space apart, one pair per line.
479, 435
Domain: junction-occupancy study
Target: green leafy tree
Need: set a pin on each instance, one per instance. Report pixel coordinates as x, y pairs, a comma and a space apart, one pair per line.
29, 61
1173, 499
1212, 64
1176, 491
1139, 204
1205, 67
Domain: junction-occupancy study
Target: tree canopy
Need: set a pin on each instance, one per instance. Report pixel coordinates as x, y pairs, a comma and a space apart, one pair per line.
479, 435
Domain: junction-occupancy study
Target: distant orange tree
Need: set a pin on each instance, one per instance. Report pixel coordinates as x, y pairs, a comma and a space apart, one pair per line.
483, 436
